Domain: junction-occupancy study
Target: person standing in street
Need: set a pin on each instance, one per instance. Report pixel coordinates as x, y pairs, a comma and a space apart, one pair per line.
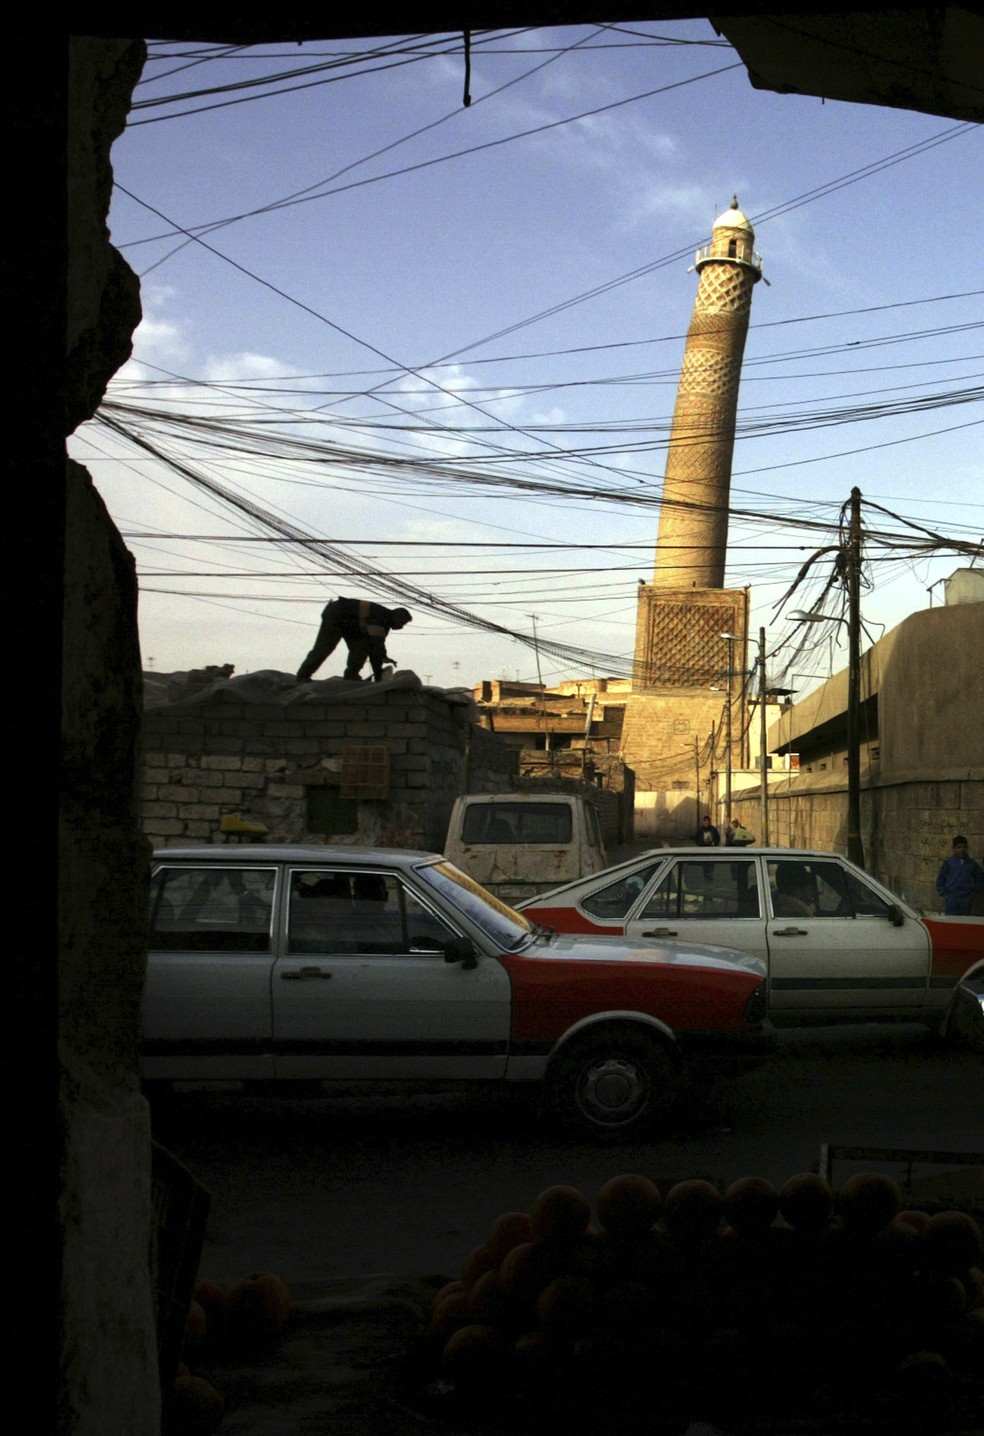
707, 835
738, 836
364, 626
958, 879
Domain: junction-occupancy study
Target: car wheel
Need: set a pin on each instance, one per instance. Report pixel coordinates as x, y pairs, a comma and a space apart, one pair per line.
615, 1080
967, 1018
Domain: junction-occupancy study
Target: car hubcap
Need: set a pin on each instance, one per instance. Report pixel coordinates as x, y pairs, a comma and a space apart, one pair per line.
613, 1091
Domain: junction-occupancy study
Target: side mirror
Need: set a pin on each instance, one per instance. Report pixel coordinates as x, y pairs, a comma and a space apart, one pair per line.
461, 949
896, 916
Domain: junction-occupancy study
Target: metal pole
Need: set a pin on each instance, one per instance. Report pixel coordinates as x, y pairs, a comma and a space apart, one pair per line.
855, 847
764, 789
697, 790
727, 771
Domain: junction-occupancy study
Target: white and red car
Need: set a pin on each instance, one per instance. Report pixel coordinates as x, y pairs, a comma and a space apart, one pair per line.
348, 964
838, 945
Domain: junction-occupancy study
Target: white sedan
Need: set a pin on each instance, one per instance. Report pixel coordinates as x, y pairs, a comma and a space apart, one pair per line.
837, 944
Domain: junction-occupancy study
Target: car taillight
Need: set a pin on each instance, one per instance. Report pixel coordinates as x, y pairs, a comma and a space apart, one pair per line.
756, 1006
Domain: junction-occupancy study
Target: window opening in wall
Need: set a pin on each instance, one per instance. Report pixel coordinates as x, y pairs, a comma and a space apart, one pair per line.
329, 813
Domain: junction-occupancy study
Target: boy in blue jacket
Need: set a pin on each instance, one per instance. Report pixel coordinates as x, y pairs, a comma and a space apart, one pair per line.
958, 879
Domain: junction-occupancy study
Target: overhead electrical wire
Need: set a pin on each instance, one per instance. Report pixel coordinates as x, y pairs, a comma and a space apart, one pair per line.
584, 456
121, 420
445, 469
808, 197
400, 52
308, 190
306, 197
332, 558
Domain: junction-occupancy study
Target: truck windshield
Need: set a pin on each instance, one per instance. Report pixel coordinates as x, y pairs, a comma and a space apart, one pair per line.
503, 926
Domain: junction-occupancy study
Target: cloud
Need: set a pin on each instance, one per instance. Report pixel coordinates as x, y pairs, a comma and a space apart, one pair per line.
228, 368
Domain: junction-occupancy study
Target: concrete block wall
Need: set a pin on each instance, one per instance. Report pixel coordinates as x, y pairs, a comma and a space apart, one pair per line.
225, 756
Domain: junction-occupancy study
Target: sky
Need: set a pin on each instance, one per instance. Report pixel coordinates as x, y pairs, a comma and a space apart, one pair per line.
444, 340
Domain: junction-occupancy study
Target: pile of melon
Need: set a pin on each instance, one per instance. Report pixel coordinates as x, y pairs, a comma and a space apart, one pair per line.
236, 1321
735, 1307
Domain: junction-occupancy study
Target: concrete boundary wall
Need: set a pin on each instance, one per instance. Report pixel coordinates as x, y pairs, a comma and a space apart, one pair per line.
906, 828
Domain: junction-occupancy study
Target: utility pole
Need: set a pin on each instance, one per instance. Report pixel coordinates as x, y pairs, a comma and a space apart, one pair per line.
541, 714
855, 847
764, 789
732, 639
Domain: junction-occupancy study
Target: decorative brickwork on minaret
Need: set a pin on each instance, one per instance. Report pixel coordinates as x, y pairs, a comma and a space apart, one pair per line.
691, 549
678, 635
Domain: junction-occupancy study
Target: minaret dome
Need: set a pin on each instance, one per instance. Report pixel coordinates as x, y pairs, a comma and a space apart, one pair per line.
732, 237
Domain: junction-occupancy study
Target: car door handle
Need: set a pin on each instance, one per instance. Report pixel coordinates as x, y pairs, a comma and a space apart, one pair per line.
662, 932
790, 932
303, 974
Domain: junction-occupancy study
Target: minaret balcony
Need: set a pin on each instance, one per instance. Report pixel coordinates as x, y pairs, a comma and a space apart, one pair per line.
713, 251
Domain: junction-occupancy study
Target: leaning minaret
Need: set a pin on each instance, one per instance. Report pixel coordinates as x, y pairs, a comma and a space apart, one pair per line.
691, 548
685, 717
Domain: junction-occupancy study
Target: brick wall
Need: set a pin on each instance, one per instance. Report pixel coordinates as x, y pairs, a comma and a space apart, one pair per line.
660, 732
225, 755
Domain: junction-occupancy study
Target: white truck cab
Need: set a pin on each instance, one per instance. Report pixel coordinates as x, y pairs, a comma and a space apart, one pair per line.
521, 844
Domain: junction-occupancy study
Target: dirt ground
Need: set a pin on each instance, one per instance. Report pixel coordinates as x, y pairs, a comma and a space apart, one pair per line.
368, 1204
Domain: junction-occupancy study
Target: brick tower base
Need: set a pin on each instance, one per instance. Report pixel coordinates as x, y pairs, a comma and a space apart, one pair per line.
675, 716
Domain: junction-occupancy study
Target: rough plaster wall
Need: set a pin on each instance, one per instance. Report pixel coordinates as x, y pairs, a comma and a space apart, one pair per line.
929, 703
108, 1348
108, 1343
103, 293
929, 781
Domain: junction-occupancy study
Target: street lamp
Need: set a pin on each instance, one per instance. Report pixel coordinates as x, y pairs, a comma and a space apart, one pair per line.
731, 639
855, 847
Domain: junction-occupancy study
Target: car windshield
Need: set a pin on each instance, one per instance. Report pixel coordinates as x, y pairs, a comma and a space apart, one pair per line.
503, 926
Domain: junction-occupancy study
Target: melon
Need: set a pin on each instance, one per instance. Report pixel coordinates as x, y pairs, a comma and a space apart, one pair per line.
751, 1205
510, 1230
196, 1327
211, 1297
257, 1307
194, 1407
450, 1313
952, 1242
629, 1205
488, 1300
476, 1264
567, 1305
805, 1203
526, 1271
693, 1210
561, 1215
913, 1218
867, 1202
477, 1357
448, 1289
